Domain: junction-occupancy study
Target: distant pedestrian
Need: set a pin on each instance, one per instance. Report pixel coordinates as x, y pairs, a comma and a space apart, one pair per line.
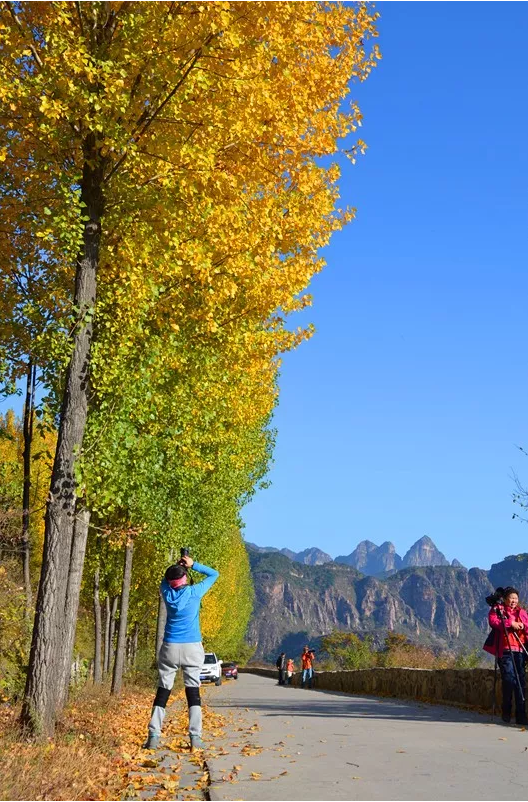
290, 668
307, 658
281, 665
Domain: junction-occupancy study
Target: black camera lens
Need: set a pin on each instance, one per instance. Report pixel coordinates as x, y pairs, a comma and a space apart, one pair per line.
185, 552
495, 598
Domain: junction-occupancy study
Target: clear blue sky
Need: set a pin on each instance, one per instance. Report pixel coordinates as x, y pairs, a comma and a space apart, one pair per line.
400, 418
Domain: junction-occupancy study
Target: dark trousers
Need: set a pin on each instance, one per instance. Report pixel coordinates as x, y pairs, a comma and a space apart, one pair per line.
511, 687
281, 676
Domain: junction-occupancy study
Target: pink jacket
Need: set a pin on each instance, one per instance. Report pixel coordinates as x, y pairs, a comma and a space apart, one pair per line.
499, 643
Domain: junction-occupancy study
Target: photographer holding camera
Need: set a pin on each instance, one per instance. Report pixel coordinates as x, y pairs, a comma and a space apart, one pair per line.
182, 646
509, 623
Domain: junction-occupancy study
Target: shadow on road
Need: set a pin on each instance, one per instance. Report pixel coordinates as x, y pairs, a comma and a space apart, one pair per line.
314, 703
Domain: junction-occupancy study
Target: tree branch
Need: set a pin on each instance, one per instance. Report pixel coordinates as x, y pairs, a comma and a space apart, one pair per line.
10, 7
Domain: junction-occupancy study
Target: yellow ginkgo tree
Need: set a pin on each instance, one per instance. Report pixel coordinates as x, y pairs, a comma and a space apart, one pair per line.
125, 122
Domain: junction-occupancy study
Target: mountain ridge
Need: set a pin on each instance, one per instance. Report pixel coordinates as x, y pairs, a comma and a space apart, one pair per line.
441, 606
370, 559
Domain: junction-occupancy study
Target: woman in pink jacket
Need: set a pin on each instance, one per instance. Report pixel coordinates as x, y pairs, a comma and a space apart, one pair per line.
510, 653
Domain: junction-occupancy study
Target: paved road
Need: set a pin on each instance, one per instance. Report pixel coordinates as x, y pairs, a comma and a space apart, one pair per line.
336, 746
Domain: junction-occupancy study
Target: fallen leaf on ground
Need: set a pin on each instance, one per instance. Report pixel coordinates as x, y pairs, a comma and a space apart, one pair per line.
256, 775
250, 750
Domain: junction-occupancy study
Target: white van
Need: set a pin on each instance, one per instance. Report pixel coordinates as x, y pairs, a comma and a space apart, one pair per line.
212, 669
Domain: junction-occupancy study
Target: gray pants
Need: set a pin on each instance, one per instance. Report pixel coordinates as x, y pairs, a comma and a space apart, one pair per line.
172, 656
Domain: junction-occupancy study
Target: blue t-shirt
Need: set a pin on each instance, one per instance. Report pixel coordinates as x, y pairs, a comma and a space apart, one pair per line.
183, 607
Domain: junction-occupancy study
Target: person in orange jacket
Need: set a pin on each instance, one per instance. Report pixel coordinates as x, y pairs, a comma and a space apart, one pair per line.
307, 658
290, 668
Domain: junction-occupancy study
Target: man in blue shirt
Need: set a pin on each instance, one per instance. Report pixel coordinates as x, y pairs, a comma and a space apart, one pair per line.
181, 647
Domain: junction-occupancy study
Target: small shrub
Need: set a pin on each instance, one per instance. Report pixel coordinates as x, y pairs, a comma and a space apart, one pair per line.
473, 659
399, 652
346, 650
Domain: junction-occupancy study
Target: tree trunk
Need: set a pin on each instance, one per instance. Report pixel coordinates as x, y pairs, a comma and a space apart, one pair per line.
135, 639
106, 661
26, 500
117, 679
113, 617
160, 629
71, 605
98, 669
39, 709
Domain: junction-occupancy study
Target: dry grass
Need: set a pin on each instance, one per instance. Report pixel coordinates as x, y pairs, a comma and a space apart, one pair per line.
410, 656
87, 759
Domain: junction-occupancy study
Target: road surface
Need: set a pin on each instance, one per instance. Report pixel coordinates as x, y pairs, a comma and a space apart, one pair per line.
320, 745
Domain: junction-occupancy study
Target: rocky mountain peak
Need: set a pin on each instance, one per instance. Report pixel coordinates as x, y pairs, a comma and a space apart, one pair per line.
360, 557
423, 553
312, 556
371, 559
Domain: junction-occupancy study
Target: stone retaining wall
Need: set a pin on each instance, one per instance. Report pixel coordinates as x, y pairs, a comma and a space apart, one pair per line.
467, 687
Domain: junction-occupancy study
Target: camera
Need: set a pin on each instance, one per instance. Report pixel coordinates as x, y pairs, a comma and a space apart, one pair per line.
496, 597
184, 552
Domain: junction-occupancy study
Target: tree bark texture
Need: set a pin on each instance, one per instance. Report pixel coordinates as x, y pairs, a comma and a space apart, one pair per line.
106, 641
26, 493
135, 639
113, 618
71, 605
39, 709
160, 628
117, 679
98, 668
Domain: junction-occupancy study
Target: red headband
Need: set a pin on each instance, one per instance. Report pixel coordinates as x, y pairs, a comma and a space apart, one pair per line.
178, 583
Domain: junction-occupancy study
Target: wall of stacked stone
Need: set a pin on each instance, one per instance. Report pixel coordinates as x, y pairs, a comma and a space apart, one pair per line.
466, 687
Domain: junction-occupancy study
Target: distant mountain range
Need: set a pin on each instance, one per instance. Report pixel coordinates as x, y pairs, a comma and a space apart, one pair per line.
441, 605
311, 556
370, 559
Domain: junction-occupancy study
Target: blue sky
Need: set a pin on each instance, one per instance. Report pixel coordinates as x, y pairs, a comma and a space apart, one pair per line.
401, 416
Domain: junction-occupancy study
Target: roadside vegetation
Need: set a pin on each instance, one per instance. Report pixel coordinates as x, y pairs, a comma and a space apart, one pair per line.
346, 650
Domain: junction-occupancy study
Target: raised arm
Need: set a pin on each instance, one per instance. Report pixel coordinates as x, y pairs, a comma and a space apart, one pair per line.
211, 576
